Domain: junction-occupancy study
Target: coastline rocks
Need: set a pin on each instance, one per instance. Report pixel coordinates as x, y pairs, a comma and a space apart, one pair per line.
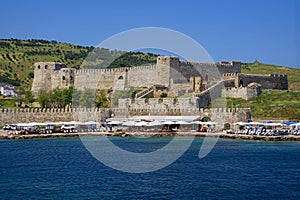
154, 134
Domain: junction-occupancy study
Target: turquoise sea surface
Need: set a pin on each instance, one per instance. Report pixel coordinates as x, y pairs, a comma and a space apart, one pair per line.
64, 169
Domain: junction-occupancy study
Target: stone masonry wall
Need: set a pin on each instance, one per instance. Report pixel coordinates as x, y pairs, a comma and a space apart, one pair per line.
157, 103
144, 76
272, 81
13, 116
244, 92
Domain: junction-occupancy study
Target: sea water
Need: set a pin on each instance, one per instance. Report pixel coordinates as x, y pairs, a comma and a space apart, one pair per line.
64, 169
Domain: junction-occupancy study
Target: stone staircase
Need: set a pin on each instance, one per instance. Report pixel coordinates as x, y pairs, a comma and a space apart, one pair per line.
145, 92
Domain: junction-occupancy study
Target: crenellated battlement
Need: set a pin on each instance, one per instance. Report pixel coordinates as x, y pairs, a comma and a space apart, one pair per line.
27, 115
278, 75
231, 74
203, 64
115, 70
48, 110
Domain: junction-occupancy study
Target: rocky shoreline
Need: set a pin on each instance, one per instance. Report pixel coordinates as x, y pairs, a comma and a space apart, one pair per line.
5, 136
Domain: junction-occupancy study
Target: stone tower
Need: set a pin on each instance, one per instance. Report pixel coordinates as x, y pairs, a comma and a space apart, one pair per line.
46, 76
164, 65
66, 77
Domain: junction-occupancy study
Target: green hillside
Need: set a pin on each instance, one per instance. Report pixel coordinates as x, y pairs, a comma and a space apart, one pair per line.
18, 56
260, 68
270, 104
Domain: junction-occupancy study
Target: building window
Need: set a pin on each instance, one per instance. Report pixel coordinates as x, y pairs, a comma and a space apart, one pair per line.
39, 67
71, 78
63, 78
121, 78
46, 66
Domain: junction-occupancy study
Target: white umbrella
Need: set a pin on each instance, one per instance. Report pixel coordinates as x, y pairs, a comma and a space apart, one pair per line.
142, 123
209, 123
256, 123
240, 123
168, 122
181, 122
154, 123
273, 124
128, 123
197, 122
114, 122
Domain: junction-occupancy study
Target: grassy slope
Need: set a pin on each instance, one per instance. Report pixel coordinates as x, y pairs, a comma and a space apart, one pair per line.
271, 104
18, 56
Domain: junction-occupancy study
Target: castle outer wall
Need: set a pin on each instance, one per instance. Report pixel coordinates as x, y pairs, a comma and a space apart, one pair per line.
50, 75
271, 81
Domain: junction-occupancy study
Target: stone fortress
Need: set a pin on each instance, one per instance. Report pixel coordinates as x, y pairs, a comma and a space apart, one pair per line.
190, 86
170, 75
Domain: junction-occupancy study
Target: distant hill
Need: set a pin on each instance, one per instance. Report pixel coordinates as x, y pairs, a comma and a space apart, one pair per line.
18, 56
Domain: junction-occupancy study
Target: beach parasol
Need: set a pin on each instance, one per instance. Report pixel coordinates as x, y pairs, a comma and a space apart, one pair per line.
154, 123
128, 123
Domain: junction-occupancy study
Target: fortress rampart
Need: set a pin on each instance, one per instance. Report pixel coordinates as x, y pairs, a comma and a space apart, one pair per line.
271, 81
50, 75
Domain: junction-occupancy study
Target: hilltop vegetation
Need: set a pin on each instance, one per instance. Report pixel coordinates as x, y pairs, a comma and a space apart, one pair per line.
18, 56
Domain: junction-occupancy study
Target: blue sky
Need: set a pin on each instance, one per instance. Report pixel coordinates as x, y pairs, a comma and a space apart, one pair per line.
246, 30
